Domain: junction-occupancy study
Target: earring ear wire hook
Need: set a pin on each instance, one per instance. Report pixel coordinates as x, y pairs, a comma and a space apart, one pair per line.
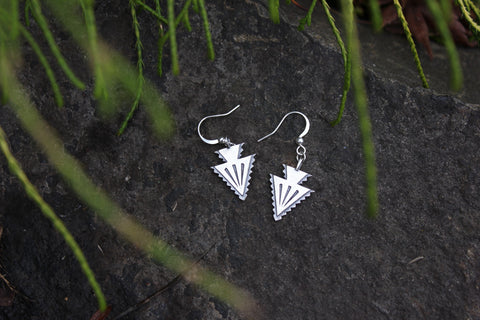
224, 140
301, 151
303, 134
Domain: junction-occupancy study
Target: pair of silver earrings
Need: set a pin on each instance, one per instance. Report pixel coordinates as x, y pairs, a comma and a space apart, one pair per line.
235, 171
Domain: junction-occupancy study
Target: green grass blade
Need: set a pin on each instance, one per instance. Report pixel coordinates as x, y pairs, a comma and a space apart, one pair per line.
42, 22
474, 8
156, 13
72, 171
186, 22
206, 26
28, 10
273, 7
13, 21
159, 41
347, 72
360, 97
375, 15
100, 90
308, 17
468, 17
44, 62
406, 29
48, 212
140, 77
117, 70
173, 36
456, 77
195, 6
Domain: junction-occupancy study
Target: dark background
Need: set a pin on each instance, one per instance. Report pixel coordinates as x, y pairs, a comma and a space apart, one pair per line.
325, 259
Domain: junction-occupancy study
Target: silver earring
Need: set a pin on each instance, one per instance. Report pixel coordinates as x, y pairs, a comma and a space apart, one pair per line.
287, 193
235, 171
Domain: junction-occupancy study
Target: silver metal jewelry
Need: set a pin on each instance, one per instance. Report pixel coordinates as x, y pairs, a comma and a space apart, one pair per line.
235, 171
287, 192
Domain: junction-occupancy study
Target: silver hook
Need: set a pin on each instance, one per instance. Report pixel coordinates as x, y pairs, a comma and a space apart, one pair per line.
301, 150
303, 134
223, 140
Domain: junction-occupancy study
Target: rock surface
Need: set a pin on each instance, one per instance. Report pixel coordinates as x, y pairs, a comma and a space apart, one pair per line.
420, 259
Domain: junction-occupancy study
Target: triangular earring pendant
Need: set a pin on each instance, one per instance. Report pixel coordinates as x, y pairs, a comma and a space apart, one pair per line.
287, 193
235, 171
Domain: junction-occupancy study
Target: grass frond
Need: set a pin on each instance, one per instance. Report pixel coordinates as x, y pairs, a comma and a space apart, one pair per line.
44, 62
206, 26
456, 77
406, 29
100, 91
360, 97
273, 7
466, 14
173, 36
42, 23
308, 17
140, 77
375, 14
71, 170
347, 66
161, 33
48, 212
157, 14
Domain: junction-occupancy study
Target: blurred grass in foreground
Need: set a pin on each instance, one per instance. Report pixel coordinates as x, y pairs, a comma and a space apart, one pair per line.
114, 69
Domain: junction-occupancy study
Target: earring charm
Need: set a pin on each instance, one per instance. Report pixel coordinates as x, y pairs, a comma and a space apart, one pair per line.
287, 192
235, 171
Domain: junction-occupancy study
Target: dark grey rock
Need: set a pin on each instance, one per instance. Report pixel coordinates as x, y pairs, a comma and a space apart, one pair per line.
325, 260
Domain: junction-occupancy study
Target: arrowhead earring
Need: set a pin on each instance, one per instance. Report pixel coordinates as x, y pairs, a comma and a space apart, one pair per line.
287, 192
235, 171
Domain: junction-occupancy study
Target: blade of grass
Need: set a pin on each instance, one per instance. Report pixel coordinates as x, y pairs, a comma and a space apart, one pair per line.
308, 17
44, 62
173, 36
140, 78
186, 22
12, 19
273, 6
93, 196
346, 55
97, 200
42, 23
206, 26
159, 41
360, 97
156, 13
474, 8
376, 15
195, 6
48, 212
163, 39
41, 57
456, 77
28, 10
406, 29
100, 90
117, 69
467, 16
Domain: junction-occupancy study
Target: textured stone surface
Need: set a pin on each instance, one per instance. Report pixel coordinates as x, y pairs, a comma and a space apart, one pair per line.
324, 260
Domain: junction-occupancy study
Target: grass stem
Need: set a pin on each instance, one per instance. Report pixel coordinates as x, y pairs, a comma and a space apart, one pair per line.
48, 212
173, 36
206, 26
456, 77
360, 97
346, 55
406, 29
42, 22
140, 77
